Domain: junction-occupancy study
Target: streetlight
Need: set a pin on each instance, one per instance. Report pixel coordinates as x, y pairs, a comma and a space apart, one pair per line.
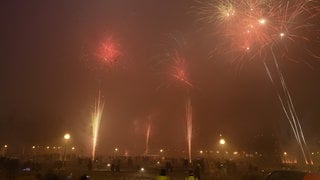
4, 149
222, 141
285, 157
142, 171
115, 152
161, 154
66, 137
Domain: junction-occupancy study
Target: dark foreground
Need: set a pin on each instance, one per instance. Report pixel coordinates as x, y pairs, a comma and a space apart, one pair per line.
136, 168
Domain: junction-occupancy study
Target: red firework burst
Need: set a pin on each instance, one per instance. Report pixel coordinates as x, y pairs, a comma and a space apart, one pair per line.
109, 51
179, 69
252, 28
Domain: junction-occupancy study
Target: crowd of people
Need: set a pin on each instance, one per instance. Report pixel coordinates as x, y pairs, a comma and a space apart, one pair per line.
158, 168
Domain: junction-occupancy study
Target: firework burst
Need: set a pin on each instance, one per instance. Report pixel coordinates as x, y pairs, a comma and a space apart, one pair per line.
266, 30
109, 51
251, 28
175, 62
179, 69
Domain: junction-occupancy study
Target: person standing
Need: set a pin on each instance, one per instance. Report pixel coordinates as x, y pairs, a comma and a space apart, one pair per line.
191, 176
163, 175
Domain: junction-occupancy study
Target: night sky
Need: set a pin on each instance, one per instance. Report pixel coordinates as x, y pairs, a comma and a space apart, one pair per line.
50, 79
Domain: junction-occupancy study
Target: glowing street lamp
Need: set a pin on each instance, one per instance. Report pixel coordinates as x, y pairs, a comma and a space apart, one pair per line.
115, 152
285, 157
142, 171
66, 137
222, 141
4, 149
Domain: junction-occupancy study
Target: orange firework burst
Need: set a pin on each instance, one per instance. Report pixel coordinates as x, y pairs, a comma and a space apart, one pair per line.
251, 28
266, 29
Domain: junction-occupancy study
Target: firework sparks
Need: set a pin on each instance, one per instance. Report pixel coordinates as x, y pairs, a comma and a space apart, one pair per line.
253, 29
179, 69
175, 61
148, 137
96, 119
109, 51
189, 127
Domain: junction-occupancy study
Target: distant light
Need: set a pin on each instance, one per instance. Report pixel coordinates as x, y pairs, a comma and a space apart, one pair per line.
158, 162
201, 152
235, 153
142, 169
285, 153
108, 165
66, 136
116, 149
26, 169
33, 147
222, 141
262, 21
312, 153
73, 148
217, 152
161, 150
48, 147
282, 34
5, 146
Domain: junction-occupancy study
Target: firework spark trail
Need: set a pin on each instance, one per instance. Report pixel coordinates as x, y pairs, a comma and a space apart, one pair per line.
281, 100
249, 29
290, 111
303, 145
96, 119
189, 127
147, 138
179, 69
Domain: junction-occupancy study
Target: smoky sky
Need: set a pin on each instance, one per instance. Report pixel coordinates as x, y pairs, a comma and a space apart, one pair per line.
49, 80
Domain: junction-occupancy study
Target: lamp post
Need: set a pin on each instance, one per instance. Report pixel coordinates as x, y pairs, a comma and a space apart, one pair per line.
66, 138
222, 143
4, 150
